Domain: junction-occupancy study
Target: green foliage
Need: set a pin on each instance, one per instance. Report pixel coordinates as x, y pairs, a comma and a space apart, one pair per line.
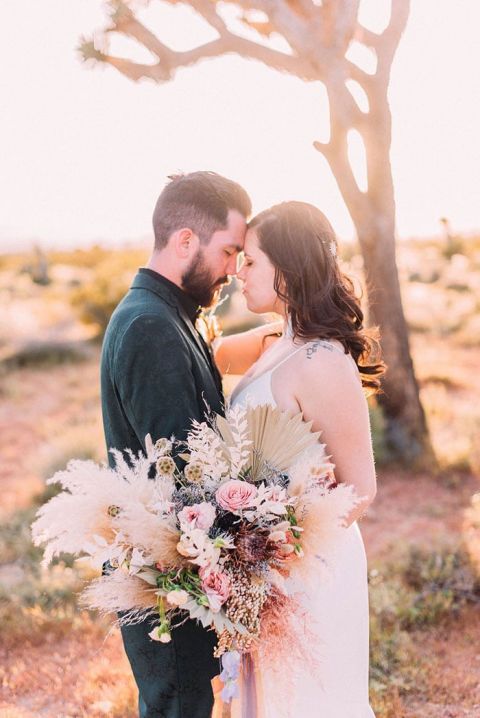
443, 583
96, 299
391, 648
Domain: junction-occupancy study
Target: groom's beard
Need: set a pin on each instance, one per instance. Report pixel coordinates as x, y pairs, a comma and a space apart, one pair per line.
199, 283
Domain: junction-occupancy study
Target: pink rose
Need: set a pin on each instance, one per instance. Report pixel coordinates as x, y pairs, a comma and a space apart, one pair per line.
216, 585
235, 495
198, 516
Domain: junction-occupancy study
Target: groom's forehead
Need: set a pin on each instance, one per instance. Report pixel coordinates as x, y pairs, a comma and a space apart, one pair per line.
233, 234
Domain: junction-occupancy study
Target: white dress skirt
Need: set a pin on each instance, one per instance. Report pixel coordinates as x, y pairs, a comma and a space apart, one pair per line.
338, 618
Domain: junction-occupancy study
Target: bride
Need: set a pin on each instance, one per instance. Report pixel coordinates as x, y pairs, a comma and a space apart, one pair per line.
321, 364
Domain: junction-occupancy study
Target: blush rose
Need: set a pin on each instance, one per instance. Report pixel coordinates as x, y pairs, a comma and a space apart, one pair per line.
235, 495
216, 585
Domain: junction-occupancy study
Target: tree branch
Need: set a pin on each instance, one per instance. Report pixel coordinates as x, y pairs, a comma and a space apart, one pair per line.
291, 25
339, 23
389, 39
125, 22
171, 61
367, 37
356, 73
336, 153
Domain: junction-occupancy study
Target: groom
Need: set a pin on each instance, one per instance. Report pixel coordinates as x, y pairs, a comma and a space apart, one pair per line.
157, 374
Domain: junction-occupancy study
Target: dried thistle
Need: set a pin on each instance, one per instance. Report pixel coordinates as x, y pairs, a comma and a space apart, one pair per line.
165, 466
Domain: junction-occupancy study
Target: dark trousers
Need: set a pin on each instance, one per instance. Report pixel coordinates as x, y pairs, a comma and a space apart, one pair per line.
173, 678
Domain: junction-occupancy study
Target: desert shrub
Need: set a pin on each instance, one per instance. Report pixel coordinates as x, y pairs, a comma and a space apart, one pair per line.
94, 256
32, 600
442, 581
36, 600
96, 299
41, 354
425, 277
391, 649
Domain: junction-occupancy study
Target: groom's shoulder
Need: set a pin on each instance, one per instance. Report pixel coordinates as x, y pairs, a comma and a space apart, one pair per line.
140, 314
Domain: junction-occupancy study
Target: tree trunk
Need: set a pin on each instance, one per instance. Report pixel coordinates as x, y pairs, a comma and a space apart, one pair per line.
406, 428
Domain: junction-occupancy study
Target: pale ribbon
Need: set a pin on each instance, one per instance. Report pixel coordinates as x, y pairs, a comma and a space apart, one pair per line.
249, 704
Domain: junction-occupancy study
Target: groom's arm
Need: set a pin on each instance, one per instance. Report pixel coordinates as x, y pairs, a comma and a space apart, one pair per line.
155, 380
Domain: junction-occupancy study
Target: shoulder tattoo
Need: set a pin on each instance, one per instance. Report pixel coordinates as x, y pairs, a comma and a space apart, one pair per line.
313, 348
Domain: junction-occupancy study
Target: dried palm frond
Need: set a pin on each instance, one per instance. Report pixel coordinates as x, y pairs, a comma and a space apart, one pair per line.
278, 438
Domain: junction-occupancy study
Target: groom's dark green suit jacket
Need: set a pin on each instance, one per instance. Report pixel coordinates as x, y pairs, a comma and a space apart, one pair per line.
157, 374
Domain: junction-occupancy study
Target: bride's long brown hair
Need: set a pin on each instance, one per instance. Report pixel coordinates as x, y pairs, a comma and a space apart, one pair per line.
300, 243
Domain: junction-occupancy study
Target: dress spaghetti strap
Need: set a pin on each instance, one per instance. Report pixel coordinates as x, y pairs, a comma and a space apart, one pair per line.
331, 347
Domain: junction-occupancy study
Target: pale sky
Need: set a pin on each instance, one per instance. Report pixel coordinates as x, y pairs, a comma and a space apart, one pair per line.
84, 153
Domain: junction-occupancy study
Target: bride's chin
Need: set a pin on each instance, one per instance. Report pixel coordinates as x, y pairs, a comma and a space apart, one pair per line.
257, 310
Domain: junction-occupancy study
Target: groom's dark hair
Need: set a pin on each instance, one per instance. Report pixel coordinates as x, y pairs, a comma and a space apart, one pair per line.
200, 201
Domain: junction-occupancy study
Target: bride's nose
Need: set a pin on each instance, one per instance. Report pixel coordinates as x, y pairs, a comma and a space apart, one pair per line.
241, 273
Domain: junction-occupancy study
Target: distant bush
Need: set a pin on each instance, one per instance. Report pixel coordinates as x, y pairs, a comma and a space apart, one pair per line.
41, 354
93, 257
443, 582
96, 299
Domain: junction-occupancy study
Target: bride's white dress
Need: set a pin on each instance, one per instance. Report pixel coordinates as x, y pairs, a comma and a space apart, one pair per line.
340, 621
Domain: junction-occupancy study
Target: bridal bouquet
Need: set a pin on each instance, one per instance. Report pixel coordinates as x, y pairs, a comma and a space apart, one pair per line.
255, 505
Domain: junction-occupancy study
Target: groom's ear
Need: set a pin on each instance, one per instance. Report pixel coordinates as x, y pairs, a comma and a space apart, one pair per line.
185, 243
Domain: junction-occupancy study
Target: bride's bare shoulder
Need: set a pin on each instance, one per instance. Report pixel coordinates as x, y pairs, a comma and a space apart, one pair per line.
327, 361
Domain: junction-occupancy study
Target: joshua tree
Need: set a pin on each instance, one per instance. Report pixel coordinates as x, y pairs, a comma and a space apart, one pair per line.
319, 35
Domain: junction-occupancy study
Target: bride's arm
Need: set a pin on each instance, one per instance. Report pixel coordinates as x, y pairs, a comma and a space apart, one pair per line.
329, 392
236, 353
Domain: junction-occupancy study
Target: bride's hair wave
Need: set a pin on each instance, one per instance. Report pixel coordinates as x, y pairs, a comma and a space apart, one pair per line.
300, 243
